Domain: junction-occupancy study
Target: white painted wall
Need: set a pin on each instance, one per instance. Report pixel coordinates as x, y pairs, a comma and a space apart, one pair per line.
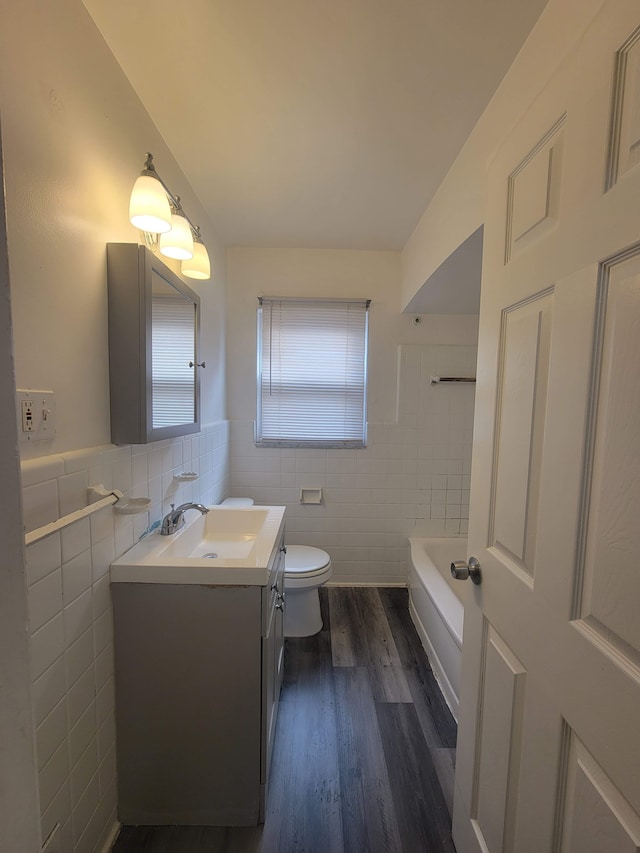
339, 273
75, 138
458, 207
412, 475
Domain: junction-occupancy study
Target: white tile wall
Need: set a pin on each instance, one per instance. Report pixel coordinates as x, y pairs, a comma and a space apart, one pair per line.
70, 612
411, 479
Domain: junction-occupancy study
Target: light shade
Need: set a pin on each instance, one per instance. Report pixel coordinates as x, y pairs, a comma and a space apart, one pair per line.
198, 266
177, 243
149, 208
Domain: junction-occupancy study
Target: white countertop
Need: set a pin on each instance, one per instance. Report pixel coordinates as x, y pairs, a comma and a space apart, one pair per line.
244, 539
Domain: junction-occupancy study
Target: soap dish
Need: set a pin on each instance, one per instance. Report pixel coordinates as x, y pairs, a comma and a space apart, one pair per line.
131, 506
185, 476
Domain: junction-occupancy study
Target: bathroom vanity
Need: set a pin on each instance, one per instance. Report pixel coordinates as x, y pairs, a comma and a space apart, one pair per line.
199, 660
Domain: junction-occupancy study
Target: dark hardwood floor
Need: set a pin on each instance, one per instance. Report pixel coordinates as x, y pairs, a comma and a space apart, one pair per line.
365, 745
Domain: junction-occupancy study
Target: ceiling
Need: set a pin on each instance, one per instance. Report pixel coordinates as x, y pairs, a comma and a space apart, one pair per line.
315, 123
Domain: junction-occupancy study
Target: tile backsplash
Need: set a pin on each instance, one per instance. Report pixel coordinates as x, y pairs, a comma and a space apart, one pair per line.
70, 616
411, 479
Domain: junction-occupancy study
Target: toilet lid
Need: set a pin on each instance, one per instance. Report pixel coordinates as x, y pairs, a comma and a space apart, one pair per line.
304, 558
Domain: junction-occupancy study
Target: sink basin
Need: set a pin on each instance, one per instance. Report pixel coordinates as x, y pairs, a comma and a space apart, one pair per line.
228, 545
228, 533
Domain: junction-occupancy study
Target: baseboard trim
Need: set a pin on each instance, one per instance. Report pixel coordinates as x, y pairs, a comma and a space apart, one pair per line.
395, 583
112, 837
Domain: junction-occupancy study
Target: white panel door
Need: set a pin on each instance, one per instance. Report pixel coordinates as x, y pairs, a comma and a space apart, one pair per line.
549, 733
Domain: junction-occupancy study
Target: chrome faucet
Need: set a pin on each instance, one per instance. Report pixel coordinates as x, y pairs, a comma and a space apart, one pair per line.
174, 520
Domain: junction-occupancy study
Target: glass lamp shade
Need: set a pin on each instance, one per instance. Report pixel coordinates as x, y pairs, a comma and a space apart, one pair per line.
198, 266
177, 243
149, 208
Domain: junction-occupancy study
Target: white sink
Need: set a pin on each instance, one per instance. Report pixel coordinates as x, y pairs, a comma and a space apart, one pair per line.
228, 545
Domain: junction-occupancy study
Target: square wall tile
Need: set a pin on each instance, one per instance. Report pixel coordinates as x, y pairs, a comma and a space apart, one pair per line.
81, 695
104, 667
72, 490
53, 776
76, 576
44, 600
81, 735
102, 555
43, 557
101, 597
51, 733
81, 815
79, 656
105, 701
40, 504
58, 811
75, 538
47, 644
83, 772
123, 525
103, 631
49, 689
78, 616
39, 470
106, 736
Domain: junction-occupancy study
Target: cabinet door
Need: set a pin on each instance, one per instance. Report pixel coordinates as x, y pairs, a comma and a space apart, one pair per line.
272, 666
154, 327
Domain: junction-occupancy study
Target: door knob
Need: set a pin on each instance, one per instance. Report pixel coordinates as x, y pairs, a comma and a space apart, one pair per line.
461, 570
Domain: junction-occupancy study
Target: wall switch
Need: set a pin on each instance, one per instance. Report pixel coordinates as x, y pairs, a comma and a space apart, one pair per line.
36, 415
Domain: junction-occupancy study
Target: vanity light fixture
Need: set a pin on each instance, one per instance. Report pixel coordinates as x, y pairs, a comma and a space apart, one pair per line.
159, 214
198, 266
177, 243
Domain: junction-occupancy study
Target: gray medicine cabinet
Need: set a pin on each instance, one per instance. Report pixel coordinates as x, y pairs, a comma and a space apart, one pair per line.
154, 329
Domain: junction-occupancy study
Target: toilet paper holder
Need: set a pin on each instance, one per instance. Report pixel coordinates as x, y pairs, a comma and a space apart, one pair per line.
310, 496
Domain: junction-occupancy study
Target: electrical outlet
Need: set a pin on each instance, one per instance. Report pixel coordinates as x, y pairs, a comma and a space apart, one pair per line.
36, 415
27, 416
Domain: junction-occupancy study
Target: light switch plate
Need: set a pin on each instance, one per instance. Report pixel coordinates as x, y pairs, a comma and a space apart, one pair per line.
36, 415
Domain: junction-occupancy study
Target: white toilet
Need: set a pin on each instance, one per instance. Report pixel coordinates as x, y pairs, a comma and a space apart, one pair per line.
305, 570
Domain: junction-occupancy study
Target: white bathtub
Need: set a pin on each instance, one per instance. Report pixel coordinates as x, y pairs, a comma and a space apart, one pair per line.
436, 605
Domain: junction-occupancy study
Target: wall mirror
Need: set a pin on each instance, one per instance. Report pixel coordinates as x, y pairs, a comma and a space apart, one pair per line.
154, 327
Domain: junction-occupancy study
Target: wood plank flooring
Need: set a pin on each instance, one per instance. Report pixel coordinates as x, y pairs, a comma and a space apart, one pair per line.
365, 746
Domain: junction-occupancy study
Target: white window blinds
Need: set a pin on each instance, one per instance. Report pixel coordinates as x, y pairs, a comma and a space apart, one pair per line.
173, 349
312, 372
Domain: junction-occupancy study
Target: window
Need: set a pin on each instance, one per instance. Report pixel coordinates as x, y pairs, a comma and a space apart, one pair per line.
312, 372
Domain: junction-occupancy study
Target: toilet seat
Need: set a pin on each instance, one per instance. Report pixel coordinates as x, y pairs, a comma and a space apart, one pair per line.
306, 566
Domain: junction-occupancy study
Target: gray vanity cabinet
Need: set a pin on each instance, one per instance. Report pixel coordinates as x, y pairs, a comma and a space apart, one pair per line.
198, 673
154, 328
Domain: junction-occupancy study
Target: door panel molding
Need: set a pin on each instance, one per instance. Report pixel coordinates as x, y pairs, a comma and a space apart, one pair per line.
610, 479
533, 191
523, 367
500, 731
624, 134
596, 817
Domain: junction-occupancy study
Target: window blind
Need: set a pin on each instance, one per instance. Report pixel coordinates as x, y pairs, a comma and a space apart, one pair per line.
172, 348
312, 372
